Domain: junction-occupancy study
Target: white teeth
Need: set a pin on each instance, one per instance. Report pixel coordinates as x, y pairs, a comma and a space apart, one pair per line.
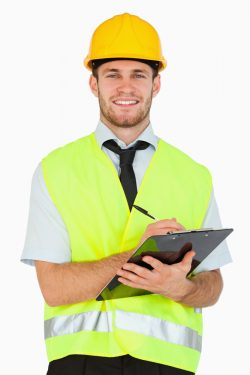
125, 102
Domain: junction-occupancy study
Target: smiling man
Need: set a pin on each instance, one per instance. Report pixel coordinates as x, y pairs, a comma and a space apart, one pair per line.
129, 87
83, 228
125, 89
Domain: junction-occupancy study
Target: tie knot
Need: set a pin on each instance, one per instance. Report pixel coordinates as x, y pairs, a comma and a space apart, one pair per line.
126, 155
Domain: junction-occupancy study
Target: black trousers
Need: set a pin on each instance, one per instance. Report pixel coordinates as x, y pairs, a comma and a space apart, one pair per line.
124, 365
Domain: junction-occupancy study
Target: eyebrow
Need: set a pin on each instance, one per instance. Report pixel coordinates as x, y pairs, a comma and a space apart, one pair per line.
144, 71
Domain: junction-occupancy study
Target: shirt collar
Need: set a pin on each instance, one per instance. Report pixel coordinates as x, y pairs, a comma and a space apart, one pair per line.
103, 133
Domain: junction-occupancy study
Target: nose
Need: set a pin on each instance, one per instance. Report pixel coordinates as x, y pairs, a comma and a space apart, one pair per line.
126, 86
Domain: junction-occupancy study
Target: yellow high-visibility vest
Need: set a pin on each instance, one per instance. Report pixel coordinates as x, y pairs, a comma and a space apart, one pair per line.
85, 188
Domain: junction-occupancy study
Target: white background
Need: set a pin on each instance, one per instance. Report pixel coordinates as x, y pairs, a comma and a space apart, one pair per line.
203, 109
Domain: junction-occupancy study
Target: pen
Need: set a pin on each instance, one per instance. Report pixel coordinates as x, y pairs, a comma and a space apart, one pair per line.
145, 212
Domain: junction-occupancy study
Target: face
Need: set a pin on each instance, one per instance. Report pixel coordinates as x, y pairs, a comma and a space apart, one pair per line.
125, 89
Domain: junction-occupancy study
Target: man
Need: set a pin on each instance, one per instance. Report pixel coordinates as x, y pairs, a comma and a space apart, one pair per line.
82, 226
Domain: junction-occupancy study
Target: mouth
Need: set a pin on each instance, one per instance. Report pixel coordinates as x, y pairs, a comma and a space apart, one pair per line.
125, 103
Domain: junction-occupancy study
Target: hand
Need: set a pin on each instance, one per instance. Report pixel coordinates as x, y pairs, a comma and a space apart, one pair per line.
167, 280
161, 227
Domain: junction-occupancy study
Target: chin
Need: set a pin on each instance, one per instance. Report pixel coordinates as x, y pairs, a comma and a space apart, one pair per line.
125, 123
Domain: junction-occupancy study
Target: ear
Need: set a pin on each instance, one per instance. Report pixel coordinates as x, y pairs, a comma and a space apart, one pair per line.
93, 85
156, 85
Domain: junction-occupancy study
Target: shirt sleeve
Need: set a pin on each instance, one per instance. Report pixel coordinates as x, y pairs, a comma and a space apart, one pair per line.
47, 238
221, 255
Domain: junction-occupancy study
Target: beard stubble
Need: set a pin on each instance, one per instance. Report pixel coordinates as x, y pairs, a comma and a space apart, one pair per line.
125, 121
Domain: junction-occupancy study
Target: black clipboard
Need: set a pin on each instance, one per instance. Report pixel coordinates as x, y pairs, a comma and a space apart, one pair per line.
169, 249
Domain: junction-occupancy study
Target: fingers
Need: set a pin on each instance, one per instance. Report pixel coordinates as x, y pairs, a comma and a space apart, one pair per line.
135, 269
187, 259
134, 276
133, 284
155, 263
166, 224
157, 232
162, 227
139, 275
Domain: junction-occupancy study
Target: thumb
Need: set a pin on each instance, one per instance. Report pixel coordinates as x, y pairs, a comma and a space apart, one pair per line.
187, 259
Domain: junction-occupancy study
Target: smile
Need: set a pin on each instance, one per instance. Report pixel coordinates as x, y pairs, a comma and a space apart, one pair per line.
126, 102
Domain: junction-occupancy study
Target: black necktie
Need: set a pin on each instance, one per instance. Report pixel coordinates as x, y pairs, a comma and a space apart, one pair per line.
127, 176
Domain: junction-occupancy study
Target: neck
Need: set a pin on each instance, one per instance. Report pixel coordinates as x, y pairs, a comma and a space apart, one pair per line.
127, 134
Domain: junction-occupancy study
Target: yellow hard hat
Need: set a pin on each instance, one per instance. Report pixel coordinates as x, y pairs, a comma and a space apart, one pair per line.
125, 36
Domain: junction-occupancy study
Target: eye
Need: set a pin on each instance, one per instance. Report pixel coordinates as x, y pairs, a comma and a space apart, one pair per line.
140, 76
112, 75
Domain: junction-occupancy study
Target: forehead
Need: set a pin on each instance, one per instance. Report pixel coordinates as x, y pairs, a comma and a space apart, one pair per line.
125, 66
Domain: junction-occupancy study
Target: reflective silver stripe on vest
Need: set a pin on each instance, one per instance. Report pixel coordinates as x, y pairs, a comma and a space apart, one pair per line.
88, 321
158, 328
